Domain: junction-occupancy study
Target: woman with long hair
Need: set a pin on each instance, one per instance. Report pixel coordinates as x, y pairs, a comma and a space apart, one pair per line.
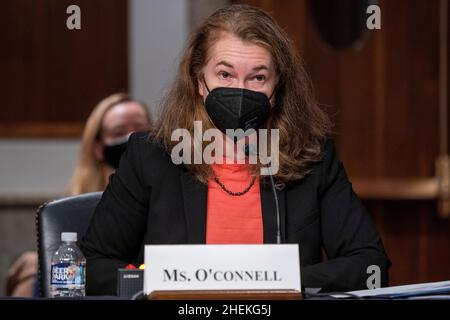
202, 175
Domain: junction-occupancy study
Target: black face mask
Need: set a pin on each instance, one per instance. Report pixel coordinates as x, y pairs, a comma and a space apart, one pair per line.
234, 108
113, 152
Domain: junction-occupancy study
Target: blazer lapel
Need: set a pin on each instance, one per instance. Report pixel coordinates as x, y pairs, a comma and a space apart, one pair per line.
269, 213
194, 198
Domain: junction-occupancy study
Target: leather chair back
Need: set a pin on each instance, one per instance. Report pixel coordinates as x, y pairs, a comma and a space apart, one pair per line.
70, 214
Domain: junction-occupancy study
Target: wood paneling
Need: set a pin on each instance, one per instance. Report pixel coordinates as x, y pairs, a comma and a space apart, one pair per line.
53, 76
382, 95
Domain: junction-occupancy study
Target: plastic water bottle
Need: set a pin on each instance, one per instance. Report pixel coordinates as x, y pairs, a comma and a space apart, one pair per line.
68, 276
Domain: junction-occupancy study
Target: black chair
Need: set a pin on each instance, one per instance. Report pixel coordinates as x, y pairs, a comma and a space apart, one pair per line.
70, 214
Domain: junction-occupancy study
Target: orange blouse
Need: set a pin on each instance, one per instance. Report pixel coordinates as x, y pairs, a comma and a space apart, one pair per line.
233, 219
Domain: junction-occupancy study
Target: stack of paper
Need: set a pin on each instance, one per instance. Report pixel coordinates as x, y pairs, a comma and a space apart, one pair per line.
437, 289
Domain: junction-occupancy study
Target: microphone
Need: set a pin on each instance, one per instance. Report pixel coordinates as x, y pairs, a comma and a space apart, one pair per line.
249, 150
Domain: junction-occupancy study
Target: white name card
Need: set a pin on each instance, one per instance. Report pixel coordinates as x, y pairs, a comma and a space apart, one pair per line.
222, 267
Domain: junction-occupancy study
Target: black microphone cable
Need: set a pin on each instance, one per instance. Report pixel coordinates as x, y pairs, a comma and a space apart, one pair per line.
247, 151
276, 205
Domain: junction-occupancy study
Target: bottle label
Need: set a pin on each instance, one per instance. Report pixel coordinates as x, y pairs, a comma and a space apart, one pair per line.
67, 274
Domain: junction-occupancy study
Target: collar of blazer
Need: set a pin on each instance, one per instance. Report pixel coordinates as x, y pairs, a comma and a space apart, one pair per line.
195, 196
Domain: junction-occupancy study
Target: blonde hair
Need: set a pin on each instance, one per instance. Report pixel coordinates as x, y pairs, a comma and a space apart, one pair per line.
88, 175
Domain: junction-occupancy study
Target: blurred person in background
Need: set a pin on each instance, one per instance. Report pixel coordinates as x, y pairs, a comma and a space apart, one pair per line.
102, 144
21, 275
104, 141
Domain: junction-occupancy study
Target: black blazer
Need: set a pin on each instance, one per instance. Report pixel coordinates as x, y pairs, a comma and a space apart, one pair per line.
150, 200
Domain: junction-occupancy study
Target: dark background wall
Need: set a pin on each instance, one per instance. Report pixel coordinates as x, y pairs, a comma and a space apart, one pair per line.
37, 48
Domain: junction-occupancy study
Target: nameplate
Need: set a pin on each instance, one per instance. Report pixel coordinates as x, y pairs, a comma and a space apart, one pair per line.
222, 267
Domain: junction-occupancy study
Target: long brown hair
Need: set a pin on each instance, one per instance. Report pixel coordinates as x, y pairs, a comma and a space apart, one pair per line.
302, 124
88, 175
